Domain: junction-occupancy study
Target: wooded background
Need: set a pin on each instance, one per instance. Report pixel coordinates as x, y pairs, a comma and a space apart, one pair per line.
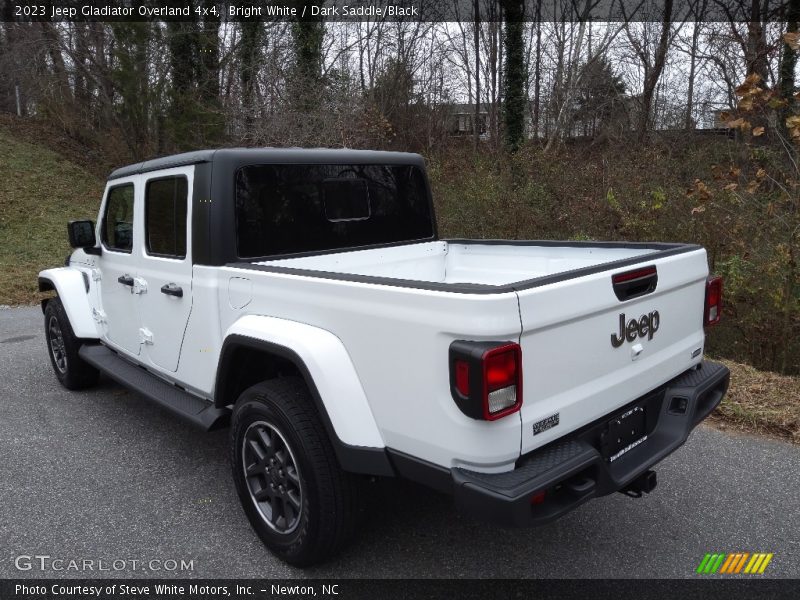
666, 126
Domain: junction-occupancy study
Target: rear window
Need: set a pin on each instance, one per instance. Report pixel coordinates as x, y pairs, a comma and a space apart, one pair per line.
285, 209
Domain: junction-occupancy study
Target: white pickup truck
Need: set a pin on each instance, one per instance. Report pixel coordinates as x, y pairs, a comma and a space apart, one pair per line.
304, 298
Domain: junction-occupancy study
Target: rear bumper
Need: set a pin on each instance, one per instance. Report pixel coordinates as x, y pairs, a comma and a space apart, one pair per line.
572, 470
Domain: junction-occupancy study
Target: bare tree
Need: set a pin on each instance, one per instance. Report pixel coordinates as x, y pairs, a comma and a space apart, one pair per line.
570, 80
651, 48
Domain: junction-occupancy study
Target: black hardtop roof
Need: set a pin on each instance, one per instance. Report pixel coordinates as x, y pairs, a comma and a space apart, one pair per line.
271, 155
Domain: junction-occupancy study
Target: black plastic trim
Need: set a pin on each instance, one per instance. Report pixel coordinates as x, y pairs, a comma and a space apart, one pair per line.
571, 243
201, 214
356, 459
193, 409
269, 155
660, 251
572, 469
421, 471
638, 287
45, 285
167, 162
70, 234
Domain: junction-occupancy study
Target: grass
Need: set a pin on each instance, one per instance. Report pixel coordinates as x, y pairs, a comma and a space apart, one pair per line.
760, 402
40, 191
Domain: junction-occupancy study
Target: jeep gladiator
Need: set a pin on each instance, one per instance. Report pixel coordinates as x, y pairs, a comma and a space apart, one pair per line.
303, 299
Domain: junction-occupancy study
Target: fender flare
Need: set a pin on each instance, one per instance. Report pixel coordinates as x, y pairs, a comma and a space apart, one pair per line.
322, 360
72, 288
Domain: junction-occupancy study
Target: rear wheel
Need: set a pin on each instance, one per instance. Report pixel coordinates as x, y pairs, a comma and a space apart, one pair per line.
71, 370
297, 498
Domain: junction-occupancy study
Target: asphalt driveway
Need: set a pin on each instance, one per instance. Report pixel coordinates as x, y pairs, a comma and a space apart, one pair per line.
104, 475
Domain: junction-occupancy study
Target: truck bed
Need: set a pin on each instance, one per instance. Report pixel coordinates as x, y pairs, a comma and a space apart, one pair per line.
556, 299
473, 265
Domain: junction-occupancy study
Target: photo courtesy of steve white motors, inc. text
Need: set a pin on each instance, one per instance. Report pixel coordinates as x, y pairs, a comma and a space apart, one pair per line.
232, 10
170, 589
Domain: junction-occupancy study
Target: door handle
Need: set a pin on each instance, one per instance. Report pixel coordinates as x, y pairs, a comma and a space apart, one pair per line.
170, 289
125, 280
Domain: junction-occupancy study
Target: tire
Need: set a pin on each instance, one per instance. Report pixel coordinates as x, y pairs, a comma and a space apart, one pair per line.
71, 370
306, 511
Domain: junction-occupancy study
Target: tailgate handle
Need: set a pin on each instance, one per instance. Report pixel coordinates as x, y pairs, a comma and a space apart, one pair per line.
635, 283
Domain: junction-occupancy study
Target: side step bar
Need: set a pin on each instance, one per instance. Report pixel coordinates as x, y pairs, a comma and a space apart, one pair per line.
196, 411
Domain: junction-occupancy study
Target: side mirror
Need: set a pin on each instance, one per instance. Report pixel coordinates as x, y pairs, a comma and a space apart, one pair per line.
81, 235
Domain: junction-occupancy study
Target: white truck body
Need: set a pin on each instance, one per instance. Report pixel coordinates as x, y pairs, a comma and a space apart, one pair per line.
569, 366
372, 328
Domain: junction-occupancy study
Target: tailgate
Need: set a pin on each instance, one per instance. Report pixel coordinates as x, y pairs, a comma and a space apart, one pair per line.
576, 365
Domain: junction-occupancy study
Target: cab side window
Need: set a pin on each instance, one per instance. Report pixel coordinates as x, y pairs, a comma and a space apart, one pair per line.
117, 230
165, 202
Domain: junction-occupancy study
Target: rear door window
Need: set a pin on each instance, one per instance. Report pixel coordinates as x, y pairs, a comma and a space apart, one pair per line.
165, 204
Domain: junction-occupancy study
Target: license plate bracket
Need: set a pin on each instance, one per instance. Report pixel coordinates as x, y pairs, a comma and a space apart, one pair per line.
624, 433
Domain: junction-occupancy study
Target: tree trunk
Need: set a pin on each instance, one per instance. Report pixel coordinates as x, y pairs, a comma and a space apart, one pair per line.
689, 121
53, 40
185, 60
653, 74
756, 46
476, 129
249, 65
514, 75
9, 83
209, 77
307, 36
569, 89
537, 71
789, 60
493, 73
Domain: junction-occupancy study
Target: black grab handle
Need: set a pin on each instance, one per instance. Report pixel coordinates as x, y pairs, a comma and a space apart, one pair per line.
125, 280
635, 283
170, 289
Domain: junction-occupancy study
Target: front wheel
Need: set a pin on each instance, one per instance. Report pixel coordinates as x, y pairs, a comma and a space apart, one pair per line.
72, 371
297, 498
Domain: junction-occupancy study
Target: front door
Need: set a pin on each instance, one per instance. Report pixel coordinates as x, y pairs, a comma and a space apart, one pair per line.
117, 267
165, 265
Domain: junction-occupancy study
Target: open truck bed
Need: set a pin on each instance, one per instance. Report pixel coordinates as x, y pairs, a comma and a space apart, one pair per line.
473, 266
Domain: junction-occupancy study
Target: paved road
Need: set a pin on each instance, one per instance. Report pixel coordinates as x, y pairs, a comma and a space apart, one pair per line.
105, 475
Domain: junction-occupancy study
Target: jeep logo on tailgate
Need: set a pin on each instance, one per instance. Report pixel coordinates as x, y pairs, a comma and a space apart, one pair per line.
646, 325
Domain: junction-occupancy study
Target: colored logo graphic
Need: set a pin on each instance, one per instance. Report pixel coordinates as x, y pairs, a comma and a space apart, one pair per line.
733, 564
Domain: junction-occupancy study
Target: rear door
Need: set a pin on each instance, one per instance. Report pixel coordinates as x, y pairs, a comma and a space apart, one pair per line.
165, 265
117, 264
586, 352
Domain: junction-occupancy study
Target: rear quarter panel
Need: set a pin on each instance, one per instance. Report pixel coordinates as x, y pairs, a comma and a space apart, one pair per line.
398, 341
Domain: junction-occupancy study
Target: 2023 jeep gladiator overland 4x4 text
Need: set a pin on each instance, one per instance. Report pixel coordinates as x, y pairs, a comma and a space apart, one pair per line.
304, 299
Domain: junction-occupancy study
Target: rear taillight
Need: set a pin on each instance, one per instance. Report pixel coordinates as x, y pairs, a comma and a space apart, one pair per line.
713, 308
486, 378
